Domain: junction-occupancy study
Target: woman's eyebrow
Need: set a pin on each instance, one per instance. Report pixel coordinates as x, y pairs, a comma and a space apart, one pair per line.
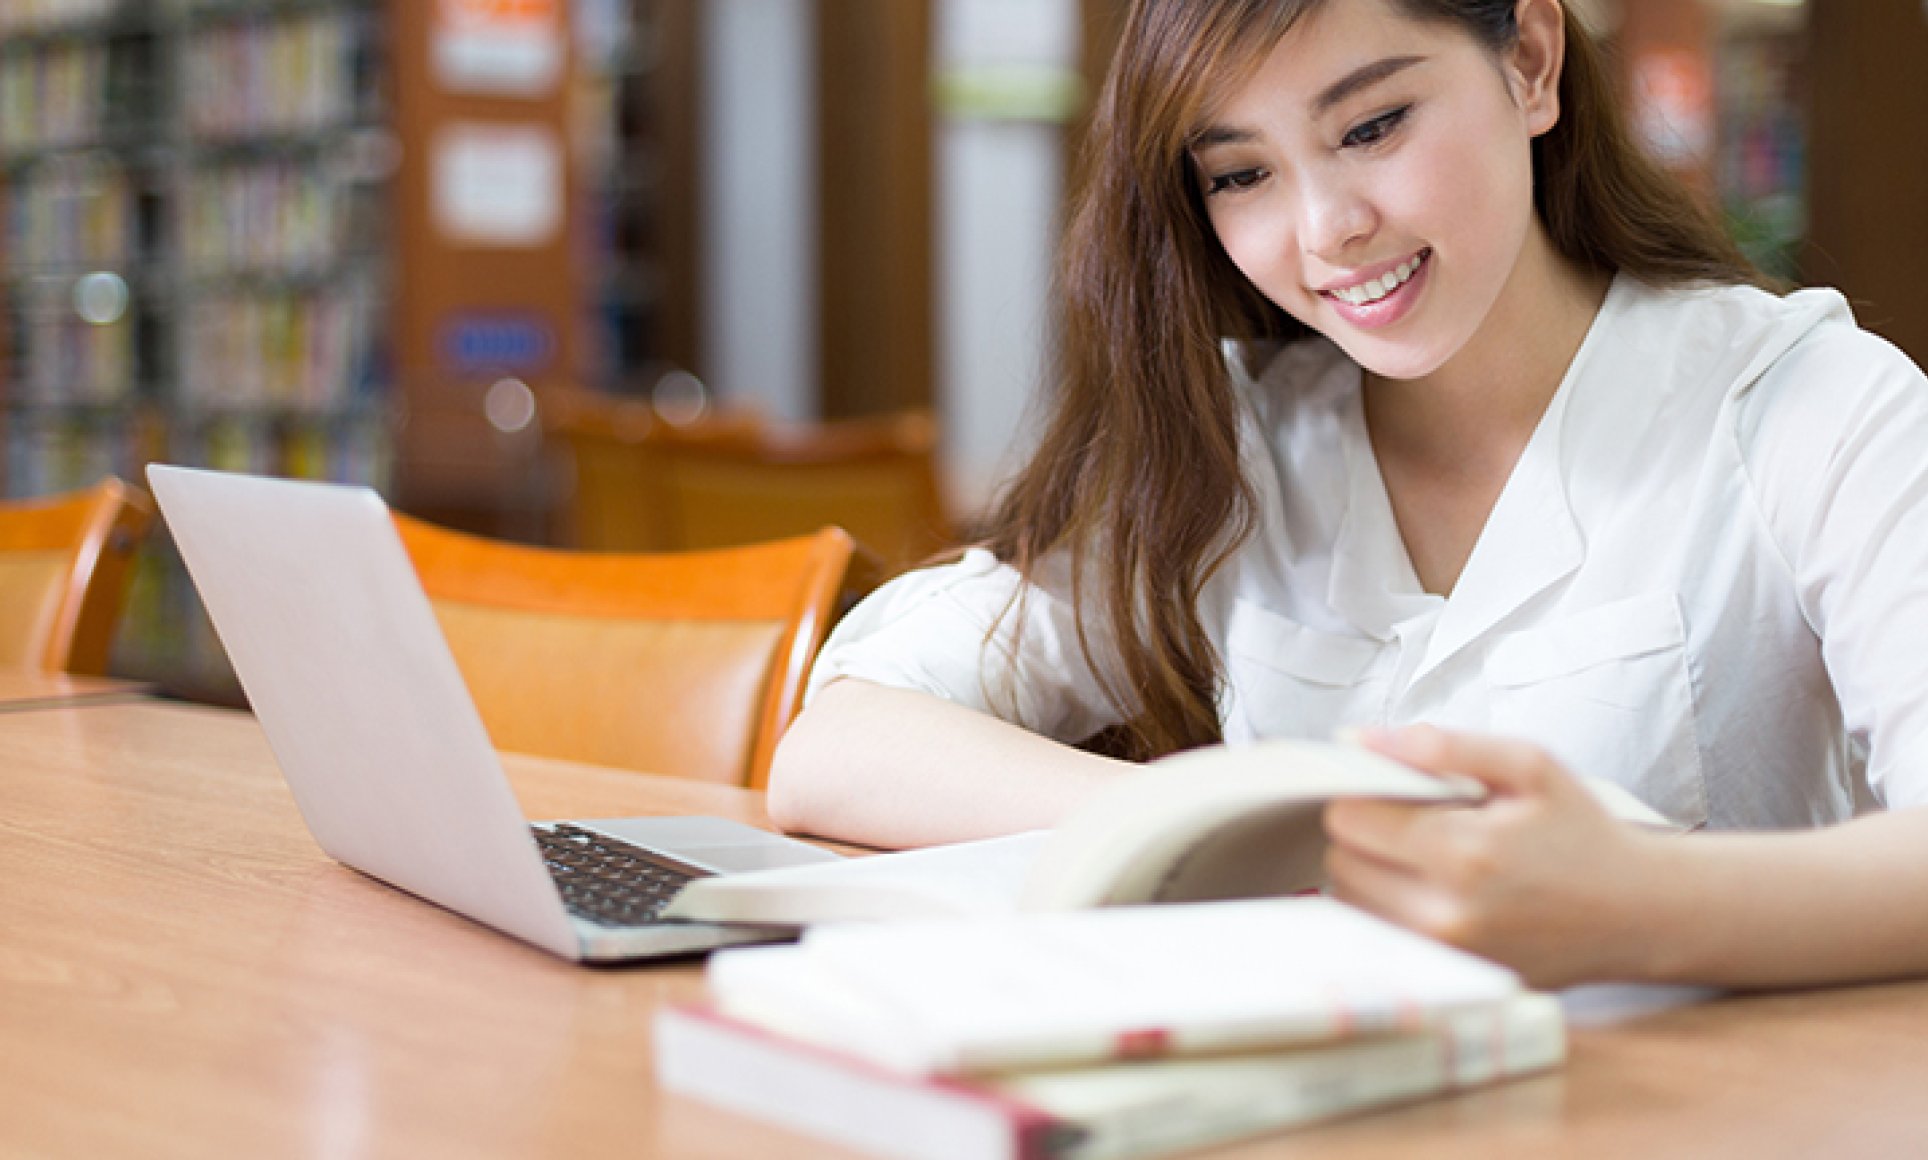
1220, 135
1361, 78
1354, 82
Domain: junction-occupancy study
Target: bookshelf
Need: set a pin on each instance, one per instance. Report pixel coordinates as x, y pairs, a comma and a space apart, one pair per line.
190, 262
636, 93
79, 183
488, 287
218, 249
192, 247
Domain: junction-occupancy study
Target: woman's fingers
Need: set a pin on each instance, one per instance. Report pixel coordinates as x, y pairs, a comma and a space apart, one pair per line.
1393, 893
1396, 833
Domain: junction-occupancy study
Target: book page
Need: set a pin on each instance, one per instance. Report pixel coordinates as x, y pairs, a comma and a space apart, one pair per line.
1218, 823
960, 879
1236, 822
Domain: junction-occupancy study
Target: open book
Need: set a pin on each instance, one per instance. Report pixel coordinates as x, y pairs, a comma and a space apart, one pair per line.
1217, 823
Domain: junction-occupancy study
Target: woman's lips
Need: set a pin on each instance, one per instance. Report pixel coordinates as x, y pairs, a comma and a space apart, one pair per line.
1394, 304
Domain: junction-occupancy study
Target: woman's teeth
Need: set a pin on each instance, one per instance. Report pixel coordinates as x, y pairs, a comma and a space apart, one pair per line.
1373, 291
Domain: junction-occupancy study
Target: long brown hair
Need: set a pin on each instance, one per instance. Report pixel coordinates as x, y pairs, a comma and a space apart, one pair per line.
1137, 476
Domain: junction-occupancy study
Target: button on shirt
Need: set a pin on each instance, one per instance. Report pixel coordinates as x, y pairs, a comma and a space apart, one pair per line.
1706, 578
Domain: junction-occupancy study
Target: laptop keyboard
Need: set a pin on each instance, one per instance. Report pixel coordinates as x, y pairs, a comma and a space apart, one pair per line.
609, 881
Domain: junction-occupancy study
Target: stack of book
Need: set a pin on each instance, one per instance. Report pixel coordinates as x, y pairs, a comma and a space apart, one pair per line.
1122, 1032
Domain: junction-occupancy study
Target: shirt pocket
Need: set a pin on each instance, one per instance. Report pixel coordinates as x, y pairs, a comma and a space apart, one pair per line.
1609, 692
1289, 680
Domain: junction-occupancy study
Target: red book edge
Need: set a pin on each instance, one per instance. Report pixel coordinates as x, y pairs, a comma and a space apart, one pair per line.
1039, 1133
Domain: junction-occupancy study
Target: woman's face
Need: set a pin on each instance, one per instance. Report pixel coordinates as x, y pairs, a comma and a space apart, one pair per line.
1373, 178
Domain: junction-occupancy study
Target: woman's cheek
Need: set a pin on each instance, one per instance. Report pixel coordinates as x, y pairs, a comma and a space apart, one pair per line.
1261, 251
1481, 202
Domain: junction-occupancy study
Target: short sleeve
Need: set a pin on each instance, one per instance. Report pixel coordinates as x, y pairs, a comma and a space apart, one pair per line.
932, 630
1835, 440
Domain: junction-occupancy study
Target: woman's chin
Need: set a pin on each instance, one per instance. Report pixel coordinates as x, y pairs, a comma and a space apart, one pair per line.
1399, 357
1395, 362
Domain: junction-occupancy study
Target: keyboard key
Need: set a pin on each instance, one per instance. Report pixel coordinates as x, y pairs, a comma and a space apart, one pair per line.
608, 881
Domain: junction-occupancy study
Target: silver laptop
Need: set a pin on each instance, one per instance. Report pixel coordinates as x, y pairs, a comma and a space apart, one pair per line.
320, 610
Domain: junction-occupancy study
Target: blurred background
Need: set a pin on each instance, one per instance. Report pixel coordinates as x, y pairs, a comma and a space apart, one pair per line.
426, 244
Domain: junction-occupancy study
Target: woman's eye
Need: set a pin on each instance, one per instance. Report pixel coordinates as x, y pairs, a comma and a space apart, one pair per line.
1376, 130
1237, 179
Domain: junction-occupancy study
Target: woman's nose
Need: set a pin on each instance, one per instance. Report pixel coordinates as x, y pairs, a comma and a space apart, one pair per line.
1337, 217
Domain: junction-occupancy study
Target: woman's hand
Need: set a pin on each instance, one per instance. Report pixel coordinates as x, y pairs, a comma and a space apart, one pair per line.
1539, 876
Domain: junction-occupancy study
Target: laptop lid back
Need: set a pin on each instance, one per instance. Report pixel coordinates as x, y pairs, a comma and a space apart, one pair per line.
338, 649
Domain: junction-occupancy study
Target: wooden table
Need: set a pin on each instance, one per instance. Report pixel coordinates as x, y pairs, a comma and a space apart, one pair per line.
183, 973
32, 689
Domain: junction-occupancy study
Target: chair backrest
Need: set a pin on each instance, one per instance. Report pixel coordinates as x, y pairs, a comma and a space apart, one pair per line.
876, 478
646, 485
689, 664
616, 503
64, 563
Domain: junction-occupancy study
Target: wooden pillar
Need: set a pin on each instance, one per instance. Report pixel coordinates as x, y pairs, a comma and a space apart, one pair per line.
875, 190
477, 298
1868, 163
675, 225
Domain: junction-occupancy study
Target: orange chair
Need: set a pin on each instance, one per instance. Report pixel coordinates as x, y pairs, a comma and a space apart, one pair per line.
876, 478
644, 484
689, 664
63, 572
616, 503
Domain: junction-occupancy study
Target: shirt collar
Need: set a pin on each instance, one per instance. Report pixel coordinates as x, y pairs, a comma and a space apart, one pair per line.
1372, 581
1530, 542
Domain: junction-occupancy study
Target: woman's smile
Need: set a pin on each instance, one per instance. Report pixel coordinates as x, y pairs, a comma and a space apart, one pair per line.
1385, 297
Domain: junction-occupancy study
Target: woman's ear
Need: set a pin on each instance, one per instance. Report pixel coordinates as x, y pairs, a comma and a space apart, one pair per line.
1536, 61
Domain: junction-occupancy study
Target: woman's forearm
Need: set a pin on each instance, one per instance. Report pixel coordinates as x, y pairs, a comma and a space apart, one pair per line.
1844, 904
893, 768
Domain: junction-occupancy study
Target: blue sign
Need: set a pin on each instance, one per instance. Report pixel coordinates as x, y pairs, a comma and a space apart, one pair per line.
497, 343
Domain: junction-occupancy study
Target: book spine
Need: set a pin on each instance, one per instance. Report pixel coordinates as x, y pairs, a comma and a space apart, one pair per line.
820, 1093
1157, 1108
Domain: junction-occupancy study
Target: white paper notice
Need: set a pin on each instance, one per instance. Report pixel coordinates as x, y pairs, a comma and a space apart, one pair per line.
503, 47
496, 185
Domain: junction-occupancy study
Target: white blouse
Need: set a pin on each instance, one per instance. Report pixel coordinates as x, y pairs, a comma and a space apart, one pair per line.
1706, 579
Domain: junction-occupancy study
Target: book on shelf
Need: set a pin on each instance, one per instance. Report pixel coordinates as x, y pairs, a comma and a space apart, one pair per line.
73, 213
1113, 1033
53, 98
974, 995
1216, 823
298, 74
26, 16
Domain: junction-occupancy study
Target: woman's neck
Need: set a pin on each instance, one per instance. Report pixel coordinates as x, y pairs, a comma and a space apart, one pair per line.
1447, 443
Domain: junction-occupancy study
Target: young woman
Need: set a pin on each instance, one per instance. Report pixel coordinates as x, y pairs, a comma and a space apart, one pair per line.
1400, 393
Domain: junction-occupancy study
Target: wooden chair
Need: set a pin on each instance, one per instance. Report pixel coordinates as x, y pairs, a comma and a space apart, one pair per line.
616, 503
64, 564
876, 478
644, 484
688, 664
